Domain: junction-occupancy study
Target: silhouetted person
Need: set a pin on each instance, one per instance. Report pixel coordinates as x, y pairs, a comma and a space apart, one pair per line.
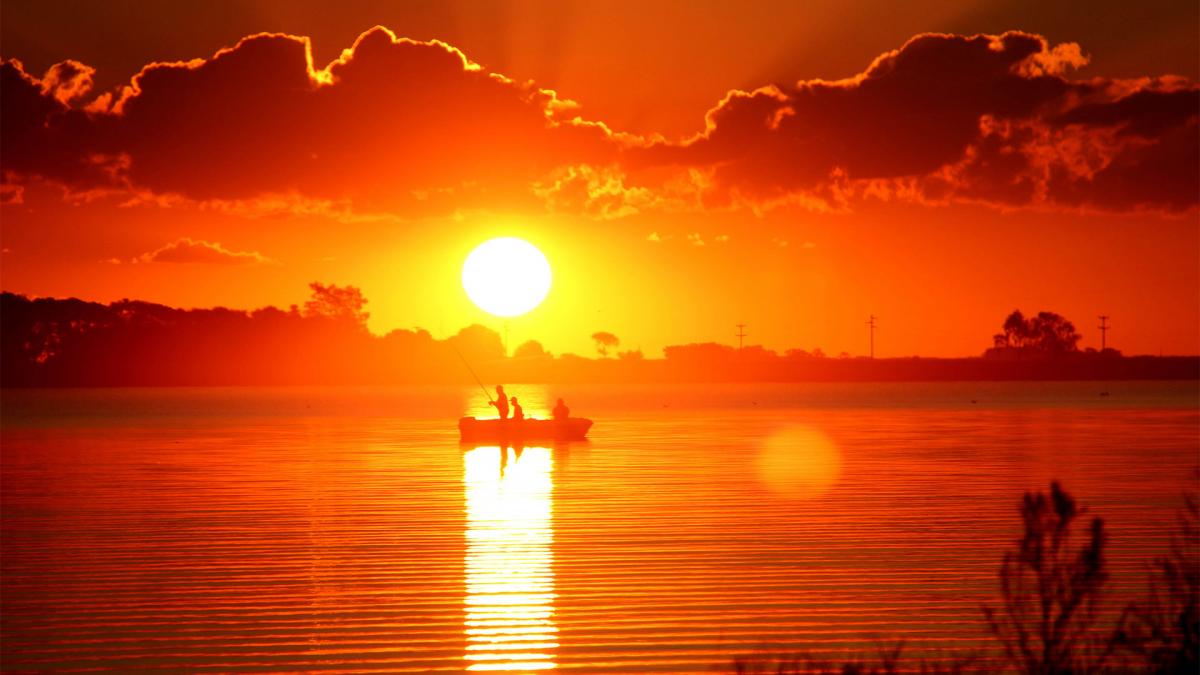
561, 411
501, 402
518, 414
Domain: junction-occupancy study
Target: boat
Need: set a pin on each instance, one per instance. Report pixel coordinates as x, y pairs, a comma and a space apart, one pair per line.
496, 430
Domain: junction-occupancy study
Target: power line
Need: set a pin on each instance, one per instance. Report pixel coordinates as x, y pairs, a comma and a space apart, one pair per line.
871, 323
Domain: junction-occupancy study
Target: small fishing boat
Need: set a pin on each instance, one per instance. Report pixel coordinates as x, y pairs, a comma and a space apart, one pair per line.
505, 431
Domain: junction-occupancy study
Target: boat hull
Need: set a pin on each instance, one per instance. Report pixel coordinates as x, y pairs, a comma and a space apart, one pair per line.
509, 431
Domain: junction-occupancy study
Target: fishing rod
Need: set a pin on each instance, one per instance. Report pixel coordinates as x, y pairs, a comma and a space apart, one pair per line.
472, 371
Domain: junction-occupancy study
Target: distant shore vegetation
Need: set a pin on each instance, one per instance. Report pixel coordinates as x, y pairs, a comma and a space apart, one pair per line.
70, 342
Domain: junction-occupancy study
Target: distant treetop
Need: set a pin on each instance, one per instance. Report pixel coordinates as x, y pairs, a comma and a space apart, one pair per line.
1045, 334
343, 303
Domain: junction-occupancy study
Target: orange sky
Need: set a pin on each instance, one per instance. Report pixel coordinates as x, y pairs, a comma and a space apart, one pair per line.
948, 182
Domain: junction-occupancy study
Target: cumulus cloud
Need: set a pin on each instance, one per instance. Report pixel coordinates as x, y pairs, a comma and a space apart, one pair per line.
386, 125
188, 250
954, 118
404, 127
67, 81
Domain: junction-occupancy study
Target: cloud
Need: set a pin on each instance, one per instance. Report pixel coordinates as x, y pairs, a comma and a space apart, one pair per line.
398, 127
949, 118
67, 81
188, 250
386, 125
11, 193
600, 192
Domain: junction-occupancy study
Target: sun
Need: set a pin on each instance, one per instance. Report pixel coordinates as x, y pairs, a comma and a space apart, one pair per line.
506, 276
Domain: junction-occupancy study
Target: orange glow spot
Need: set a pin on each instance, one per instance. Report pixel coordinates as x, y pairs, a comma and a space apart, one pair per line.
799, 462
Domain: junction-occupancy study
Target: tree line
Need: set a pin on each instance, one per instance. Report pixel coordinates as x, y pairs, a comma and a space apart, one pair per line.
70, 342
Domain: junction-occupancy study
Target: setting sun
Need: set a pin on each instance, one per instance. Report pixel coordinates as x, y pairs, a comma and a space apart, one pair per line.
506, 276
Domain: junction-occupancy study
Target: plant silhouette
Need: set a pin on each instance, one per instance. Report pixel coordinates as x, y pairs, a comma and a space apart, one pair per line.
605, 341
1050, 589
1163, 630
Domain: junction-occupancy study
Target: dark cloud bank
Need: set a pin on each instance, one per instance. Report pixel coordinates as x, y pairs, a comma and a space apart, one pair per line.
407, 127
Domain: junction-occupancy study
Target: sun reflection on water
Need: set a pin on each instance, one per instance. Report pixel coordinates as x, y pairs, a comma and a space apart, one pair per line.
509, 622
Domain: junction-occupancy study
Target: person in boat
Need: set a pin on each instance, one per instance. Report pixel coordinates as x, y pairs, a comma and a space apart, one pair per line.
518, 413
501, 402
561, 411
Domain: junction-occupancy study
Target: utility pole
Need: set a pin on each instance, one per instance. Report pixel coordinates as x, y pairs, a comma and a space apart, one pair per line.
871, 323
741, 335
1104, 332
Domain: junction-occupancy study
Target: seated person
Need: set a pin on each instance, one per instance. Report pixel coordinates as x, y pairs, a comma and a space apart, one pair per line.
561, 411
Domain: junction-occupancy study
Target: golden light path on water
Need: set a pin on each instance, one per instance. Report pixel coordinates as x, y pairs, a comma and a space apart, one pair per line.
509, 605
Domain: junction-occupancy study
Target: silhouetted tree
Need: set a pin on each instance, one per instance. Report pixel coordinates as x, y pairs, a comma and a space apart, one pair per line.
1047, 333
342, 303
1053, 333
604, 341
478, 343
756, 353
531, 349
631, 355
1050, 590
1016, 330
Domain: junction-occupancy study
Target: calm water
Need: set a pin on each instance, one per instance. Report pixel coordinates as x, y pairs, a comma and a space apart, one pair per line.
347, 530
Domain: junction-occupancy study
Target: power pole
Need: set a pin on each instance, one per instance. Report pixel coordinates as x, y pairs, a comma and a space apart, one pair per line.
871, 323
1104, 332
741, 334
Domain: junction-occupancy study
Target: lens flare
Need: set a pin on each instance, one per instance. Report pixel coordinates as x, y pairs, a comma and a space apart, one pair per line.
799, 462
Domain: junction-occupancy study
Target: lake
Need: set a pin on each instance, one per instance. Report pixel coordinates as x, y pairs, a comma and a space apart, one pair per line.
346, 530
